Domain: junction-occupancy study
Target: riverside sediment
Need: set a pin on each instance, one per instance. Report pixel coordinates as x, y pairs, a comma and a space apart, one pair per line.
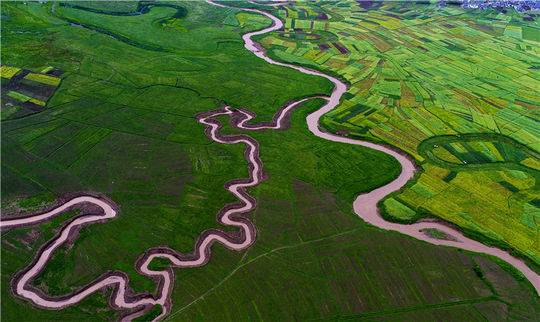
134, 306
365, 205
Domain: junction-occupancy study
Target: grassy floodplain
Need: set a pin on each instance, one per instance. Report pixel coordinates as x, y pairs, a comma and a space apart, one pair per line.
419, 71
122, 123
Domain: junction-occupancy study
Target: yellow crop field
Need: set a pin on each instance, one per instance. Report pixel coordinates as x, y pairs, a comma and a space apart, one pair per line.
44, 79
8, 71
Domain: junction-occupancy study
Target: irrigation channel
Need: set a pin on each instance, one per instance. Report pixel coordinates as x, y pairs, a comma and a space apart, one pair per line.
133, 305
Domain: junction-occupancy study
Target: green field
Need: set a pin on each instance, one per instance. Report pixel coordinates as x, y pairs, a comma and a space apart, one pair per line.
122, 123
418, 72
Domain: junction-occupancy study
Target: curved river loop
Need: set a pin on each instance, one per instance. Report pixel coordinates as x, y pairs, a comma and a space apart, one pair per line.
135, 305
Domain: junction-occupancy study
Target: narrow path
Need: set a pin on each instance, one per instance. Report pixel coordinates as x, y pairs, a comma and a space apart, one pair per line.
232, 214
365, 205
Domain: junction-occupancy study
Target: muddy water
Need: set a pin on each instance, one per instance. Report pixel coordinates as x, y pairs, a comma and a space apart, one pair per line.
365, 205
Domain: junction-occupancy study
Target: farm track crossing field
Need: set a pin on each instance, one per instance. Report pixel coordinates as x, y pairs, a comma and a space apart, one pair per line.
418, 72
117, 99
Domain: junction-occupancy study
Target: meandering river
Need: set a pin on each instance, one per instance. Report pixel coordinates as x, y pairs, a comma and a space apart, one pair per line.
365, 206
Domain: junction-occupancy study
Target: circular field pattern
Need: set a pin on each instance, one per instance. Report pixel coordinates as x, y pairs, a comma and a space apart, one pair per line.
233, 214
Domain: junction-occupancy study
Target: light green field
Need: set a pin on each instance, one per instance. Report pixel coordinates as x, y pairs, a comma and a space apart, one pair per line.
122, 124
418, 71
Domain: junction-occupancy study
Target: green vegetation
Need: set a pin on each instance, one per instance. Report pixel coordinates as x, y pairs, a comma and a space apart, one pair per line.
435, 233
456, 89
25, 92
394, 209
44, 79
479, 151
122, 123
18, 96
8, 71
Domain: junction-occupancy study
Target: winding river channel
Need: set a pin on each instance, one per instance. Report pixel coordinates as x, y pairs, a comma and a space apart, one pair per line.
133, 305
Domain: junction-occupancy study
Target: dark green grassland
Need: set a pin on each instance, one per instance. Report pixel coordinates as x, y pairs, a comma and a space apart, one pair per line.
122, 124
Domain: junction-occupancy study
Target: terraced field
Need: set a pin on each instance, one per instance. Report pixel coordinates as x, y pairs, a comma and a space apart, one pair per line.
419, 73
313, 259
